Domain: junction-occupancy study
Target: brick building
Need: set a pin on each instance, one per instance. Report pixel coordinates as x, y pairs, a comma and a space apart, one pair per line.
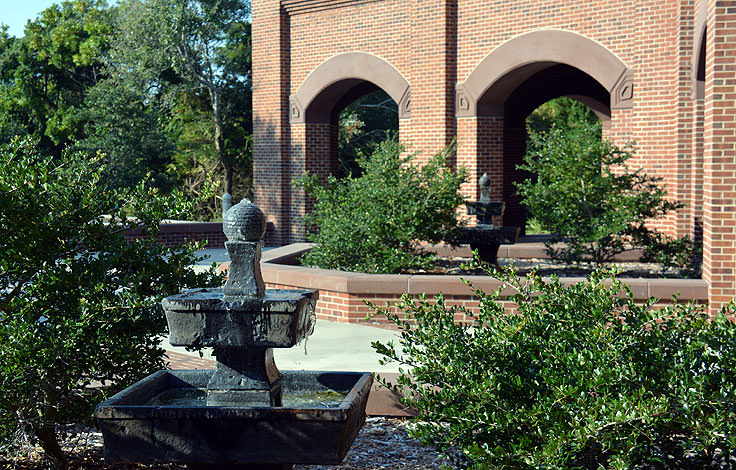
659, 72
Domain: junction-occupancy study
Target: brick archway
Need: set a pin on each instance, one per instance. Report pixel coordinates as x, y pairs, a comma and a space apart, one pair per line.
492, 81
342, 79
314, 115
517, 77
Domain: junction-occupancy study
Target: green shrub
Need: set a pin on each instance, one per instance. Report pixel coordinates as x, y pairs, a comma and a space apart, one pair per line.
578, 377
78, 303
681, 254
587, 197
375, 223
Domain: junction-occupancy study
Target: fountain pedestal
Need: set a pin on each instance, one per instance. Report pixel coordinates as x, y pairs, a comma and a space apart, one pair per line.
245, 414
485, 237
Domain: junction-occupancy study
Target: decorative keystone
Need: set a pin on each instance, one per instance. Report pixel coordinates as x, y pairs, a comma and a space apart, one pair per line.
244, 226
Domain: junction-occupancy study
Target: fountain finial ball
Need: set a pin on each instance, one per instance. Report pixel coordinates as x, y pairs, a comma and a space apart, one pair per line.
244, 222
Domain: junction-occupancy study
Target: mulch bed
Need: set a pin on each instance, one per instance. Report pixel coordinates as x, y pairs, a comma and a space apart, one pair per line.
546, 267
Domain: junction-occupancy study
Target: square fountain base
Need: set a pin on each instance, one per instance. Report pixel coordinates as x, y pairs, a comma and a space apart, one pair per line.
163, 419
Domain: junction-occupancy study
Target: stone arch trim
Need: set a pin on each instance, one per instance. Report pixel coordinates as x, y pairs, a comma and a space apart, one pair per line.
530, 52
340, 73
701, 17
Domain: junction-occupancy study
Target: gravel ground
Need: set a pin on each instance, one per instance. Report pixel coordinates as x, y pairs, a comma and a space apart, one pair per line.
382, 444
546, 267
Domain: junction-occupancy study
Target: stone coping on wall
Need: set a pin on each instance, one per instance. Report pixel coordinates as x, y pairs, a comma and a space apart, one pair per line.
280, 268
175, 233
180, 226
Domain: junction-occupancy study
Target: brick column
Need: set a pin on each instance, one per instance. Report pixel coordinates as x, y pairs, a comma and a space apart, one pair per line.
313, 150
480, 150
433, 77
681, 188
695, 202
719, 185
271, 116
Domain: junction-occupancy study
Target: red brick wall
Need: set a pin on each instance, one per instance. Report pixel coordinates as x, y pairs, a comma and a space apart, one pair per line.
719, 187
352, 308
271, 147
436, 44
177, 234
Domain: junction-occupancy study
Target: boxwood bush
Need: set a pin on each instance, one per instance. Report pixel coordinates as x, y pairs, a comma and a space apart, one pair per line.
376, 222
578, 377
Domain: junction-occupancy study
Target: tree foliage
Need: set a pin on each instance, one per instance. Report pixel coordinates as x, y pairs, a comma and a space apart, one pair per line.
562, 112
119, 79
579, 377
363, 124
205, 43
79, 304
130, 128
375, 223
587, 196
45, 75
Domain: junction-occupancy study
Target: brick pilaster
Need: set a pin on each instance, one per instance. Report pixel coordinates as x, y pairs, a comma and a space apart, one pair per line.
433, 76
271, 189
719, 185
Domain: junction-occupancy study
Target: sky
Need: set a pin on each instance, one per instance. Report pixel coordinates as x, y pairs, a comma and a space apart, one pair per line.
15, 13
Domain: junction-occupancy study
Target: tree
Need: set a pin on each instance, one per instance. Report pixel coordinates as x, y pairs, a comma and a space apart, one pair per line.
586, 195
191, 129
363, 124
78, 302
130, 129
45, 75
204, 42
562, 112
10, 123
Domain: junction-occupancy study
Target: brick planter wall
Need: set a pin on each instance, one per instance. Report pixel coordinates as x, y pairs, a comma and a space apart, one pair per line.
342, 295
177, 233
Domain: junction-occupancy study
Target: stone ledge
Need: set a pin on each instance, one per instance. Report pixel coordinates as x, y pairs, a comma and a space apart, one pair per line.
396, 284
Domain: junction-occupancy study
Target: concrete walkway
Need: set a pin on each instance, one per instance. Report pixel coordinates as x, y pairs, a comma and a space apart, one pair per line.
332, 346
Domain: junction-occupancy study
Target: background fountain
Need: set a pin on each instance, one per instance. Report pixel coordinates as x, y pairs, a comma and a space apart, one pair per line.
485, 237
245, 414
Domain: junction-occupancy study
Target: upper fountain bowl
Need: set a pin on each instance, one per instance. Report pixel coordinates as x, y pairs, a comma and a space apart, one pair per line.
204, 318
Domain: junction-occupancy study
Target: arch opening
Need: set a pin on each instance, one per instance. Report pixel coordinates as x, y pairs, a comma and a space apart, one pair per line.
361, 126
524, 56
563, 112
347, 119
374, 93
508, 103
699, 66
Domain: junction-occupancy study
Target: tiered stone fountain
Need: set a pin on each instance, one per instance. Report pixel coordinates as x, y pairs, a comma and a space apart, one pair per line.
485, 237
245, 414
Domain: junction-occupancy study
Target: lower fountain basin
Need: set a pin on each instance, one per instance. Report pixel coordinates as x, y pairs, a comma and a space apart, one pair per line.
135, 429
